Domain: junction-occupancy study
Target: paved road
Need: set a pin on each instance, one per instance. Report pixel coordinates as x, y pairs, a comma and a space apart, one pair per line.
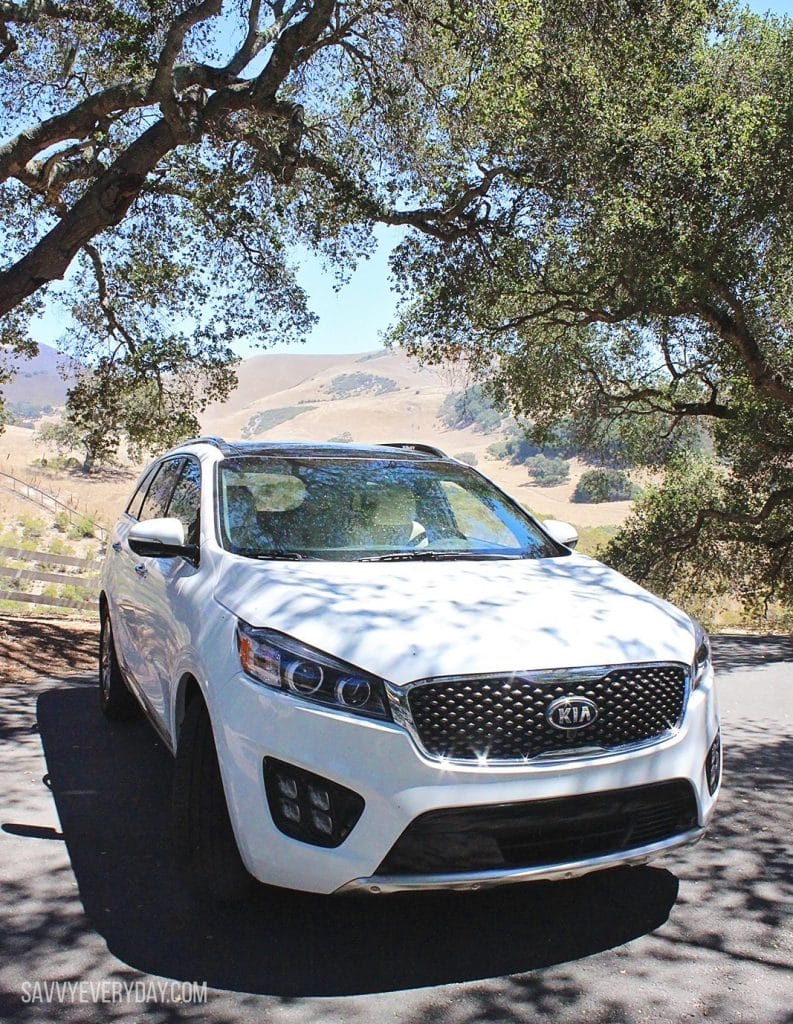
89, 894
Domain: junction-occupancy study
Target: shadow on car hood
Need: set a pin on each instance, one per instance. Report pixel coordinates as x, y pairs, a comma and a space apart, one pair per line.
411, 620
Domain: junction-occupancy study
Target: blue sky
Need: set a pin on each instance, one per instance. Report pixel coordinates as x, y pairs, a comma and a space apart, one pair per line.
352, 319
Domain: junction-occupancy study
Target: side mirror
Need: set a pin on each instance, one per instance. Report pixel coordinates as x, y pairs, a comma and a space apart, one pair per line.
161, 538
562, 533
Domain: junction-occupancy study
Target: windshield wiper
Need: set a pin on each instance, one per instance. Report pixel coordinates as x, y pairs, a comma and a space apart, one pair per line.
416, 556
284, 556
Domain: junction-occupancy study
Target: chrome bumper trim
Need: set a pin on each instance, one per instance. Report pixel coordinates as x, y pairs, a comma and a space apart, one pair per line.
378, 884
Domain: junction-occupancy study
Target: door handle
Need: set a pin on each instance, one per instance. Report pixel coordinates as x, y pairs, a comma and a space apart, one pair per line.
117, 546
142, 571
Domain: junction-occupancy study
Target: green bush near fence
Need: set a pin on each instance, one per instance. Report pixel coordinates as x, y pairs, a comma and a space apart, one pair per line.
83, 526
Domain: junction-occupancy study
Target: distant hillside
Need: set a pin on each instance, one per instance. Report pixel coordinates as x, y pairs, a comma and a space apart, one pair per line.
37, 384
374, 397
261, 376
383, 396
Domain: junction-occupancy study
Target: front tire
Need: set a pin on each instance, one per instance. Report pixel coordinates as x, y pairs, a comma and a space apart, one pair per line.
205, 843
115, 700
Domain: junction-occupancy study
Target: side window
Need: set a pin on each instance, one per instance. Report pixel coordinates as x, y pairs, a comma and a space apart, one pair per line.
186, 500
161, 489
135, 502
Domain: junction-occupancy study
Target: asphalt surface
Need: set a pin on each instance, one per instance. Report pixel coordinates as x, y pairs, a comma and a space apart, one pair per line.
90, 896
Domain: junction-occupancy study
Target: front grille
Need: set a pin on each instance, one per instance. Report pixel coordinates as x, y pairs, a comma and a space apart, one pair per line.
566, 830
504, 718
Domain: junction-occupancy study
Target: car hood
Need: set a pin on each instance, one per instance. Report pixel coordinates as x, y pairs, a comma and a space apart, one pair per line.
412, 620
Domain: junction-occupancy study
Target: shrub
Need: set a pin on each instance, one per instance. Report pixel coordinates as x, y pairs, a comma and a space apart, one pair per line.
348, 385
269, 418
9, 539
72, 592
470, 408
518, 449
592, 540
58, 546
84, 526
32, 528
548, 472
498, 450
61, 521
467, 457
598, 485
344, 438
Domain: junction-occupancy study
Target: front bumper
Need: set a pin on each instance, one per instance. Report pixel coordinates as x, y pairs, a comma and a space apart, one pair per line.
472, 881
398, 783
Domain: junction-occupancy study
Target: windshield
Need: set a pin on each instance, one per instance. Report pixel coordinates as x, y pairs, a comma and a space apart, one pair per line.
354, 508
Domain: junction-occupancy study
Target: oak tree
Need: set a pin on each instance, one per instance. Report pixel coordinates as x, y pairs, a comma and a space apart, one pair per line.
644, 285
168, 158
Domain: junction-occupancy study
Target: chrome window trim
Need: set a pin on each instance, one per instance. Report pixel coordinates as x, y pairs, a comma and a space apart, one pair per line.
398, 697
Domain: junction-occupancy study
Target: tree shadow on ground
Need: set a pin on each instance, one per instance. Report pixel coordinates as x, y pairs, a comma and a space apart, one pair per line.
103, 473
742, 652
34, 647
111, 784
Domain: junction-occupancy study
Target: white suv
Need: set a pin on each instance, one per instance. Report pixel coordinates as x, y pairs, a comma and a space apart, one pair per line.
377, 672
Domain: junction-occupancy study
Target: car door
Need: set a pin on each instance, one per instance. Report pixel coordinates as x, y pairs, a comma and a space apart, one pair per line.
170, 586
120, 578
141, 596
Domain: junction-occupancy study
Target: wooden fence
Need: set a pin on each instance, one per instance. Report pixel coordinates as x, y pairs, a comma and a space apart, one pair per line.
86, 579
46, 500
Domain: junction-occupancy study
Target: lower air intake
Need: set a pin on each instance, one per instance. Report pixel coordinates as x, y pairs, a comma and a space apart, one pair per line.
542, 832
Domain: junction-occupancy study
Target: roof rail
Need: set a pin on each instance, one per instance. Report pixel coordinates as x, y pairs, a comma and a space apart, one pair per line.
428, 449
217, 442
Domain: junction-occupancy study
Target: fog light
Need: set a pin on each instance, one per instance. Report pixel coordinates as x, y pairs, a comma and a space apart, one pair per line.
287, 787
308, 807
322, 822
290, 810
319, 798
713, 765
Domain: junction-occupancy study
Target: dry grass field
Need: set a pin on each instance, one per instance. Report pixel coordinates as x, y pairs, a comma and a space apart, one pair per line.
382, 396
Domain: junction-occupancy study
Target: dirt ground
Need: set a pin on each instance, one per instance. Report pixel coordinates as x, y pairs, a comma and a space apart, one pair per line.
34, 647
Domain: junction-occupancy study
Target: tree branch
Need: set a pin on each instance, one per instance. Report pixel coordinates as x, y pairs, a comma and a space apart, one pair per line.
445, 223
76, 163
706, 515
733, 328
292, 39
34, 10
76, 123
162, 86
103, 205
113, 323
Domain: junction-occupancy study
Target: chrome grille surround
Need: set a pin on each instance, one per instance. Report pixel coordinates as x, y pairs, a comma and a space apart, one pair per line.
499, 719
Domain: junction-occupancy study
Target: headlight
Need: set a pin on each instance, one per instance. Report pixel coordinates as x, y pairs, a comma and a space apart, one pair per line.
702, 655
285, 664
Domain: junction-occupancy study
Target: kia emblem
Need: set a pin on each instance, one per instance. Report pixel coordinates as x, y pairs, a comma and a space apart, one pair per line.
570, 712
